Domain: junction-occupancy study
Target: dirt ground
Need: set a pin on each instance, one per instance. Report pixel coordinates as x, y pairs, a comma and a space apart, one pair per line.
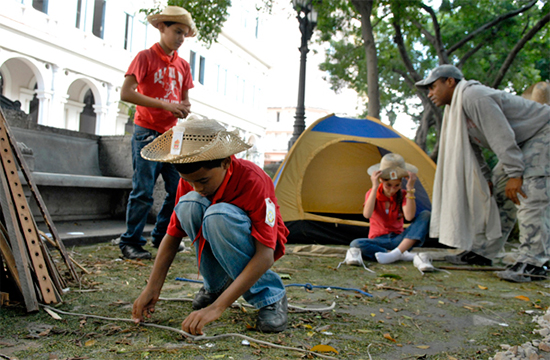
439, 315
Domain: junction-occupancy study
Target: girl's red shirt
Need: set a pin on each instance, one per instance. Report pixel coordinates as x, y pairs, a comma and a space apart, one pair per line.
382, 223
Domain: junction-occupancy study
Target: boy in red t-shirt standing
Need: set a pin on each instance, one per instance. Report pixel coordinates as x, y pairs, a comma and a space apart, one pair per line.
228, 206
157, 81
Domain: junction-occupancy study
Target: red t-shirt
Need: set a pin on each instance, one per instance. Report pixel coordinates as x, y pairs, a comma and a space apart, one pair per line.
382, 223
248, 188
158, 80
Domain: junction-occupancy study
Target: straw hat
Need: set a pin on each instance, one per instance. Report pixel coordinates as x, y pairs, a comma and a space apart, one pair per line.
174, 14
393, 167
195, 140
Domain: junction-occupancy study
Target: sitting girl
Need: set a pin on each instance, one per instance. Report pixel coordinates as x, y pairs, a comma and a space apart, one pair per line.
387, 205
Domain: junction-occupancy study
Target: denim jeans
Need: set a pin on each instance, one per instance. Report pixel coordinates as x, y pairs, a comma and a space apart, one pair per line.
141, 197
228, 248
417, 230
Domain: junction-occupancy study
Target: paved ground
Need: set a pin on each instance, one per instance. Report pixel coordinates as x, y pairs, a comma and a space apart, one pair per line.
74, 233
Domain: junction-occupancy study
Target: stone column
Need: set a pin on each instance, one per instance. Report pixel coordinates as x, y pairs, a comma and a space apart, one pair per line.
102, 121
72, 114
44, 100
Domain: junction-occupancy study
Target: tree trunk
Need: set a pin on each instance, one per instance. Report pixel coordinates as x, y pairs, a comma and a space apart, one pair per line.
364, 7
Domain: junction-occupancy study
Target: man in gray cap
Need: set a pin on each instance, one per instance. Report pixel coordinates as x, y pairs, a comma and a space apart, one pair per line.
518, 132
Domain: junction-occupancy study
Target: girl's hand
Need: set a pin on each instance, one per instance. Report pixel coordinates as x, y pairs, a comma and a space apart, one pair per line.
411, 180
375, 179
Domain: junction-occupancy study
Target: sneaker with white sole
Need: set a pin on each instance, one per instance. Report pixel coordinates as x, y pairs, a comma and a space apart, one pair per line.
423, 262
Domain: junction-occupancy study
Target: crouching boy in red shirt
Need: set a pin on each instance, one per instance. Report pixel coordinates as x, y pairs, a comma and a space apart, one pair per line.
228, 206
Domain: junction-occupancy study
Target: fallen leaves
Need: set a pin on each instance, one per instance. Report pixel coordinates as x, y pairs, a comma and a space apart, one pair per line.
324, 348
90, 342
521, 297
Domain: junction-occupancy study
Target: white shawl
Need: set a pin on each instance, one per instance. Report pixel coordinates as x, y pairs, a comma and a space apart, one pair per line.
462, 208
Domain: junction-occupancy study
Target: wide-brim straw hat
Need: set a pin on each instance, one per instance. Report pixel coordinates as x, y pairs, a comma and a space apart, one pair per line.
393, 167
203, 140
174, 14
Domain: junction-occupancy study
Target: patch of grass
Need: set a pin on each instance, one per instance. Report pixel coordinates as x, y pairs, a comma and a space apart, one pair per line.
437, 315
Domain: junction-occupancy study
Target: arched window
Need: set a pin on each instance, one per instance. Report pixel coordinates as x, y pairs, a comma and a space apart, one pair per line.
34, 106
40, 5
88, 116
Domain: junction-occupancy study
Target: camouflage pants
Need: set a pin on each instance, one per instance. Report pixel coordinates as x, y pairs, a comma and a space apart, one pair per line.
533, 213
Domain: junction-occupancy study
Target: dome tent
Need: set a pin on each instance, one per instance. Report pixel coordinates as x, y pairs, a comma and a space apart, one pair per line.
322, 182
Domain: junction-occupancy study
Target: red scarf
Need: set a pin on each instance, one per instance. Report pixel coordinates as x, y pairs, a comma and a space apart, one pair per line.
393, 212
169, 60
216, 198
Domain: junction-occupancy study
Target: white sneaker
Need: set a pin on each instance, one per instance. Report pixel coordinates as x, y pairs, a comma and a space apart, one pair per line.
408, 256
423, 262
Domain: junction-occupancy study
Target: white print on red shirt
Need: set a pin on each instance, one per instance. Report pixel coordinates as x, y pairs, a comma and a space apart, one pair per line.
170, 84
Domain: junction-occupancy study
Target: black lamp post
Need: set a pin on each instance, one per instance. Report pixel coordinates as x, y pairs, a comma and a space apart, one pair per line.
307, 17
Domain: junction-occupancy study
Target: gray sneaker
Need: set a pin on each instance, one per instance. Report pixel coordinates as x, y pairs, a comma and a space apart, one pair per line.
273, 318
522, 272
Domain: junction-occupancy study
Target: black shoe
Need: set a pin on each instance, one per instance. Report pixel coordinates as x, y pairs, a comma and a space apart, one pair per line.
134, 252
273, 318
205, 298
468, 258
522, 272
181, 247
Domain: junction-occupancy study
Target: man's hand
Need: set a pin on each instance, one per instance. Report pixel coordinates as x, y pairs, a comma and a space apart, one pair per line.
195, 322
513, 187
144, 305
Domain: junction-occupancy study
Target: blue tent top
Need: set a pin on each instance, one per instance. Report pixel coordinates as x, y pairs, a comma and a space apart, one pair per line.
353, 127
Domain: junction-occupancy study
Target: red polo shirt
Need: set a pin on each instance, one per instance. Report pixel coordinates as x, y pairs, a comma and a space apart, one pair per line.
160, 80
248, 188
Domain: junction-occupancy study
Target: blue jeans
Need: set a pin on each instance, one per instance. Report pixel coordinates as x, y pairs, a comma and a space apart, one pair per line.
417, 230
229, 247
141, 197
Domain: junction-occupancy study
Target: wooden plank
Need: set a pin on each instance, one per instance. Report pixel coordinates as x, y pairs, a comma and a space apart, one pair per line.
52, 269
38, 197
9, 259
19, 249
26, 221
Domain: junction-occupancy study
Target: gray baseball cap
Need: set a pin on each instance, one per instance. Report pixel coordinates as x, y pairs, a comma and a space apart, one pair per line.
442, 71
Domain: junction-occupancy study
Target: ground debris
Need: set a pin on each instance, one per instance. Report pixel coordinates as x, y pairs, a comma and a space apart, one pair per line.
530, 349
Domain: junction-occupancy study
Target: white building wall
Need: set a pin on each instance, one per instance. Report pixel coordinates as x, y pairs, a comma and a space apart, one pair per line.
66, 61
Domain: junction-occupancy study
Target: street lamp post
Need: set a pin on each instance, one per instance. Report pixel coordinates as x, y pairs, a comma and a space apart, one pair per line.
307, 17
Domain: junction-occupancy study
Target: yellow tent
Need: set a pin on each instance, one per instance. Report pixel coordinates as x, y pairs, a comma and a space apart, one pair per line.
322, 182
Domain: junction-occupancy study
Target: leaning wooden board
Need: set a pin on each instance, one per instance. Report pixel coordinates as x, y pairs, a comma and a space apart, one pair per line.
17, 245
39, 201
28, 228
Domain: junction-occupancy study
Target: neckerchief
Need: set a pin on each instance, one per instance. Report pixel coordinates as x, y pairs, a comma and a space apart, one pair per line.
215, 199
169, 60
393, 210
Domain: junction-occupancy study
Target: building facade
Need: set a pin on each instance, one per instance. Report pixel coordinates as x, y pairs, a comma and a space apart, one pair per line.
280, 126
64, 61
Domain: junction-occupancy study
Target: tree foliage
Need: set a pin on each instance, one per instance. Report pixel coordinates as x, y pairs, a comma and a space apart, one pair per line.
209, 16
503, 44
